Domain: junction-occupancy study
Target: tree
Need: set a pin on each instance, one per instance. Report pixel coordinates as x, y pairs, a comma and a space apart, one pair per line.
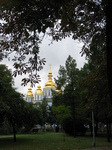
69, 81
33, 114
13, 108
67, 75
5, 88
96, 83
78, 19
43, 107
11, 101
62, 113
109, 45
15, 111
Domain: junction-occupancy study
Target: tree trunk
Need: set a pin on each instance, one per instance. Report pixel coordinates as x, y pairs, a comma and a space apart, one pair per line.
96, 129
74, 128
109, 45
73, 107
14, 132
108, 132
93, 124
73, 115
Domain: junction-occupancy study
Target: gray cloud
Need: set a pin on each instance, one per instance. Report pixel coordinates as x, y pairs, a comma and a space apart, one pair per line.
56, 55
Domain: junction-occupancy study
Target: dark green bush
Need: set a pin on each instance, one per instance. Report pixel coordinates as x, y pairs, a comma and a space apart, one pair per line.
68, 126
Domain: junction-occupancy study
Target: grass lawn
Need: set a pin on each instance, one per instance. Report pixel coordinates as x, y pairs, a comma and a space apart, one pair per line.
49, 141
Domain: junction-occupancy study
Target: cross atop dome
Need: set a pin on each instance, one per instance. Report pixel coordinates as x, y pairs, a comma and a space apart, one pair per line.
50, 66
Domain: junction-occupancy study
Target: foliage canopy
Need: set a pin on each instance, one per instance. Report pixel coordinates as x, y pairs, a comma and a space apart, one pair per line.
26, 22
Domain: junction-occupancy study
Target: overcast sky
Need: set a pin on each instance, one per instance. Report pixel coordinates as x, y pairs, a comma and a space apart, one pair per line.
55, 54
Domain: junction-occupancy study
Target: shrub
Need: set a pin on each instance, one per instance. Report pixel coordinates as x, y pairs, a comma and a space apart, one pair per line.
79, 127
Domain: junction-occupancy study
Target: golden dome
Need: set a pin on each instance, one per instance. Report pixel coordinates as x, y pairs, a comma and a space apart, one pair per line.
50, 83
58, 91
29, 93
38, 90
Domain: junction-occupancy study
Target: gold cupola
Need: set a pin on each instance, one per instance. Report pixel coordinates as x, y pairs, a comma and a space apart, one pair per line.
39, 90
50, 83
29, 93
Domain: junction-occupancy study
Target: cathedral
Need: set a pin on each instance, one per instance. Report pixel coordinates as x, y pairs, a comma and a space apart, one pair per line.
40, 94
